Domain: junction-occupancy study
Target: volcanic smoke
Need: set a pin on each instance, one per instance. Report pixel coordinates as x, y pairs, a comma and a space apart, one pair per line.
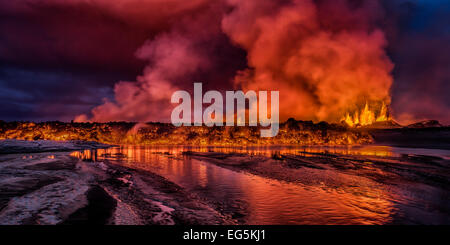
327, 58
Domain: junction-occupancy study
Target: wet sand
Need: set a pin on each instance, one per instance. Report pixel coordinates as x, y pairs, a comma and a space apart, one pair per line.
290, 167
56, 188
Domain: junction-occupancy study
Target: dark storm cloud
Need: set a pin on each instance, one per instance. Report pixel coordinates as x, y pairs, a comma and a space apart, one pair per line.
74, 37
419, 38
59, 59
42, 95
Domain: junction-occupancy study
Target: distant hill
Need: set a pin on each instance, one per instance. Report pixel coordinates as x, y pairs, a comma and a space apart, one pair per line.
383, 125
426, 124
391, 124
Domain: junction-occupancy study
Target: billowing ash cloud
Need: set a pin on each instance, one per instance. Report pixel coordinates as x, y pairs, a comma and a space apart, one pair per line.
191, 50
325, 57
173, 57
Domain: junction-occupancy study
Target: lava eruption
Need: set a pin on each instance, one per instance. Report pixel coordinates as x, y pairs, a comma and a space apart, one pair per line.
367, 116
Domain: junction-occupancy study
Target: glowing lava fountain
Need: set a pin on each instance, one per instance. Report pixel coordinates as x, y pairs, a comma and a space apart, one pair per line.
367, 116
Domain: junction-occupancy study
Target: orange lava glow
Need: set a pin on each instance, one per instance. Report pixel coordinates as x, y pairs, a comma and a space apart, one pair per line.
291, 132
367, 116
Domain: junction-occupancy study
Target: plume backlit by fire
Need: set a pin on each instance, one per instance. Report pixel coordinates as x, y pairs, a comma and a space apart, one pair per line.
322, 56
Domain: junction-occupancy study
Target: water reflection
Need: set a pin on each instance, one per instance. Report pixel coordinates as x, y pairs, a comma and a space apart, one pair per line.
132, 152
257, 200
139, 152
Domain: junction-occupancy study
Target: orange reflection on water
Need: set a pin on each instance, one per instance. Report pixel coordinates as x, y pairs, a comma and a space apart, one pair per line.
136, 152
273, 202
263, 200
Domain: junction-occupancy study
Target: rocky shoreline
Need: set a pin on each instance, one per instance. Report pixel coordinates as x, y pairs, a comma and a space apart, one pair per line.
47, 184
56, 188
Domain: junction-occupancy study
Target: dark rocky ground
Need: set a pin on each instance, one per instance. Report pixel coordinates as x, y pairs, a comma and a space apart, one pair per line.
391, 170
430, 138
417, 185
56, 188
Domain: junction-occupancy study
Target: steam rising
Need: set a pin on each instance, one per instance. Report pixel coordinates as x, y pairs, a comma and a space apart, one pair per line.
325, 57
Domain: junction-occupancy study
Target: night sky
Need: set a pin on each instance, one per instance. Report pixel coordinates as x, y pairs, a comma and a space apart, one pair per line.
61, 59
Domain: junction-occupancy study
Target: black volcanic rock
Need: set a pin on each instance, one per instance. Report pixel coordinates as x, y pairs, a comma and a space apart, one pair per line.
389, 124
426, 124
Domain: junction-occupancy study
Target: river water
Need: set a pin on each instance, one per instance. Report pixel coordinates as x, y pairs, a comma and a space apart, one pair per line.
252, 199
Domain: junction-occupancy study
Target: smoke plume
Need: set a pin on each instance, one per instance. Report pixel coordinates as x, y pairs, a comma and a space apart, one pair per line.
326, 57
